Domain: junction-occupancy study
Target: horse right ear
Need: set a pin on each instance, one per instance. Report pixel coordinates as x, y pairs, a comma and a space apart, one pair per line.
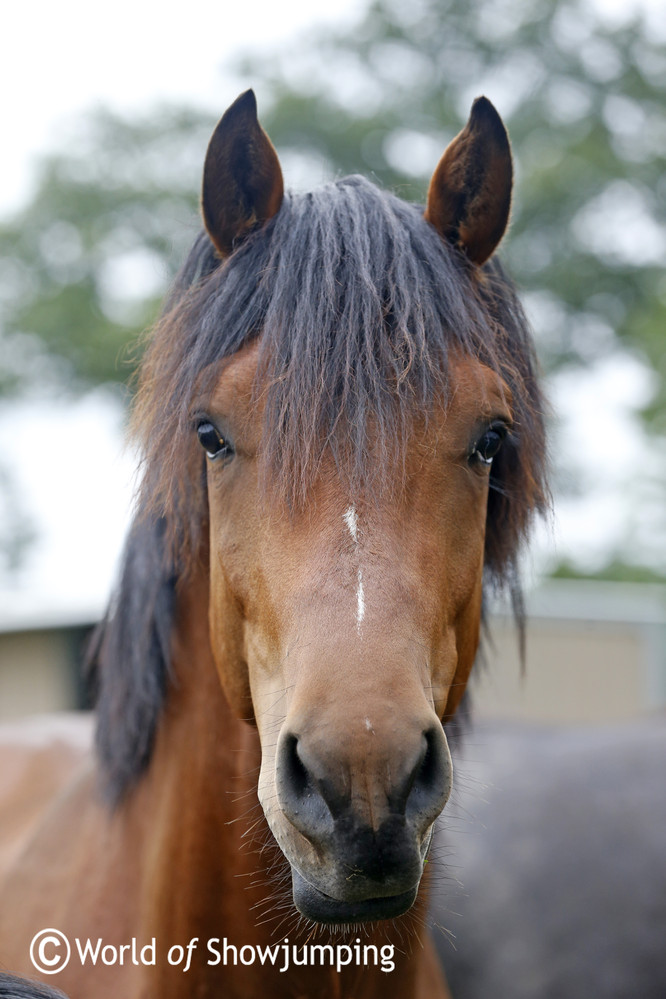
242, 181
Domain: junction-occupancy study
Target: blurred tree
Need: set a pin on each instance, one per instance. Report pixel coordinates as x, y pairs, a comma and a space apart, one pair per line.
16, 530
84, 264
584, 103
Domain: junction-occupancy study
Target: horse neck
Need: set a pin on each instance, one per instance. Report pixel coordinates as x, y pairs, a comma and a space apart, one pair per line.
199, 795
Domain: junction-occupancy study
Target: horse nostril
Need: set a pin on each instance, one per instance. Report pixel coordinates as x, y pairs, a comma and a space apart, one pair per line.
294, 772
313, 797
301, 798
430, 781
429, 773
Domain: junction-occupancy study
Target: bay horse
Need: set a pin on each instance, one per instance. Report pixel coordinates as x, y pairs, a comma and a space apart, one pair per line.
343, 442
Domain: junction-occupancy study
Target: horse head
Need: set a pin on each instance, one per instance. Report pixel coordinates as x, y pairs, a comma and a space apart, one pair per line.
363, 436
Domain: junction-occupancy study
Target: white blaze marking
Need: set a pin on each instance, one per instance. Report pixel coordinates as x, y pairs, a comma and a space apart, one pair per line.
360, 601
350, 518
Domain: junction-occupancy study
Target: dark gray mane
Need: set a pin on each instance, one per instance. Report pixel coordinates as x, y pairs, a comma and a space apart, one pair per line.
357, 301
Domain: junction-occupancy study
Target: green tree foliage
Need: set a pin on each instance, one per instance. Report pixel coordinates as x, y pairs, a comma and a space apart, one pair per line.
584, 103
84, 265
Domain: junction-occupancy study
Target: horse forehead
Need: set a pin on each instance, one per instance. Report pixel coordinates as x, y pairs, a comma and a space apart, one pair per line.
474, 393
472, 385
476, 389
234, 379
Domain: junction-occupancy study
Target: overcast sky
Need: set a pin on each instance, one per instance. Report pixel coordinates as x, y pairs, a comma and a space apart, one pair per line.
59, 58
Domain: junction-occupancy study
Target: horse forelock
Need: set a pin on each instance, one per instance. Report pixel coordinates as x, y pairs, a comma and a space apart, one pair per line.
357, 303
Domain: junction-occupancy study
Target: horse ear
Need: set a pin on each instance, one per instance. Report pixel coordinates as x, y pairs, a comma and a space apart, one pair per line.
469, 198
242, 181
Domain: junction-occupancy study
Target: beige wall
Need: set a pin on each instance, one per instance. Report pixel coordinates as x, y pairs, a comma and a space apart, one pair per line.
37, 672
573, 672
594, 653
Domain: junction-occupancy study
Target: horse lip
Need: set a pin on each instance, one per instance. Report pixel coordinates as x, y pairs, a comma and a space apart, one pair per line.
315, 904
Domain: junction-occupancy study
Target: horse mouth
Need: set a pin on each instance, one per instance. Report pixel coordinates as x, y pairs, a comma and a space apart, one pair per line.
315, 904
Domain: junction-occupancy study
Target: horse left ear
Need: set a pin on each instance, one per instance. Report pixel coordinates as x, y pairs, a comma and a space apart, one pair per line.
242, 182
469, 198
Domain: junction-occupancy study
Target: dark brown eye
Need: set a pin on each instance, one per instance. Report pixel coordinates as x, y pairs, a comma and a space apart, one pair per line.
489, 444
212, 441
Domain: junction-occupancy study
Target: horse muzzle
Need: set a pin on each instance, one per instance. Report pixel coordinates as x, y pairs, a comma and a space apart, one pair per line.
368, 821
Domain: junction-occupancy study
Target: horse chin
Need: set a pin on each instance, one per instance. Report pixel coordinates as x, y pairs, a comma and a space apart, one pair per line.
327, 894
316, 905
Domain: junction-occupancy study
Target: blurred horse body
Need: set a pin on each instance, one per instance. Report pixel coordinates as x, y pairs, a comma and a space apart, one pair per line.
558, 837
39, 756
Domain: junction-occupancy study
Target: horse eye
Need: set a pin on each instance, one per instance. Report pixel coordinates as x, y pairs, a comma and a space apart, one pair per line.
489, 444
212, 441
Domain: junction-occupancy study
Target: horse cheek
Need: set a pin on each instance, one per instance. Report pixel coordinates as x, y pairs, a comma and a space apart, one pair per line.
227, 635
